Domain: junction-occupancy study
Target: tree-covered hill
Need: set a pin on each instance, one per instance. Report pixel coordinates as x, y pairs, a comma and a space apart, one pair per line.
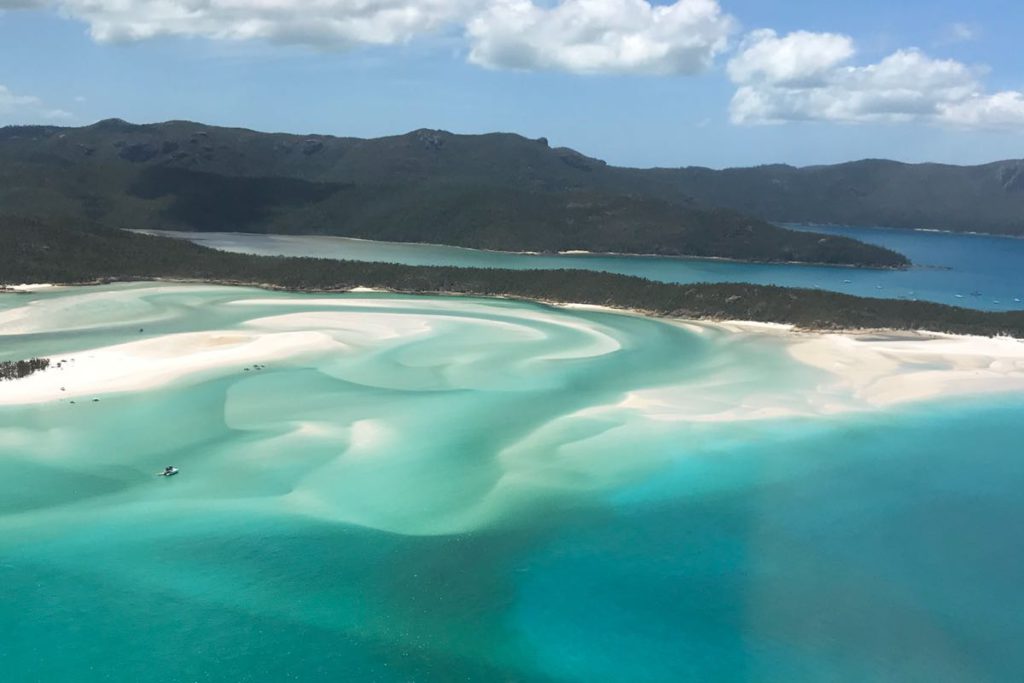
34, 252
496, 191
872, 192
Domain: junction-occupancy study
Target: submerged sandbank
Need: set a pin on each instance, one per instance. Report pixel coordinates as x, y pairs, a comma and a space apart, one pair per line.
850, 371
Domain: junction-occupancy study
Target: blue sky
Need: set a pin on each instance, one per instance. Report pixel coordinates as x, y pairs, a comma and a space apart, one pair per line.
691, 82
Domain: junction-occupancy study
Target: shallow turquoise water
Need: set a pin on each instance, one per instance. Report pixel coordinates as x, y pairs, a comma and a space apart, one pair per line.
974, 271
454, 489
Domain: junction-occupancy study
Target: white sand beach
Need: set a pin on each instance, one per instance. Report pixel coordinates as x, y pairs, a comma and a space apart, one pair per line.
28, 287
150, 363
890, 368
844, 371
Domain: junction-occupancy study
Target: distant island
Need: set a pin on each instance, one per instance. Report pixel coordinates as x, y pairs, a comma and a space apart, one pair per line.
41, 253
499, 191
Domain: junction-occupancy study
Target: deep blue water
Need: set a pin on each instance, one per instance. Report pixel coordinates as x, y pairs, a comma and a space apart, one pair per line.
885, 548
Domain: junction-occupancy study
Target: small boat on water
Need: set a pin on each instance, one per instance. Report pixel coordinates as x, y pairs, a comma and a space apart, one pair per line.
169, 471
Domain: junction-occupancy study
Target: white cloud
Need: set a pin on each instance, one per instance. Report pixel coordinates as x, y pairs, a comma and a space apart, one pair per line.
10, 102
799, 76
806, 76
799, 58
26, 108
321, 23
1003, 109
600, 36
572, 35
961, 32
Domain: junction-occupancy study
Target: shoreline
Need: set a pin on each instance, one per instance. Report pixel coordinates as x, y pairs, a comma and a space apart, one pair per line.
862, 369
28, 288
175, 234
645, 312
884, 367
937, 231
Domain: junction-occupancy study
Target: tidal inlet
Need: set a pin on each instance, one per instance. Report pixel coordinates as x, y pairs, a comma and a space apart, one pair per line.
380, 487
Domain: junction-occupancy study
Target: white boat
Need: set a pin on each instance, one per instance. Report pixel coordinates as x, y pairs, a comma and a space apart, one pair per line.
169, 471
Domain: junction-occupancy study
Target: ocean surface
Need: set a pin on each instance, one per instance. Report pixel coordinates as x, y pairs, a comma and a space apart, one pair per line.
975, 271
394, 488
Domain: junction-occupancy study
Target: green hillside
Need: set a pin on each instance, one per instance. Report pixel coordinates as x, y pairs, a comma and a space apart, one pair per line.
496, 191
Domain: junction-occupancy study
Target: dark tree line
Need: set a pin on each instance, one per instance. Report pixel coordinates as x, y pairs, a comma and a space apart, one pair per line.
16, 369
40, 253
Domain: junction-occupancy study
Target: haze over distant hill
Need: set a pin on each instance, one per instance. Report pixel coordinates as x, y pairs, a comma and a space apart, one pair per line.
496, 191
872, 192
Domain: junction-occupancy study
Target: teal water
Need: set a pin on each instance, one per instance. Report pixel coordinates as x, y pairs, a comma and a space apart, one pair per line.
974, 271
440, 489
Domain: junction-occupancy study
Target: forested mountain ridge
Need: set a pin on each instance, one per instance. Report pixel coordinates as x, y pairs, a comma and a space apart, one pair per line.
872, 192
495, 191
986, 198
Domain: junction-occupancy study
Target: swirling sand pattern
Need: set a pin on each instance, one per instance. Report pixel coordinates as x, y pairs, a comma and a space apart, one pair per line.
379, 487
503, 401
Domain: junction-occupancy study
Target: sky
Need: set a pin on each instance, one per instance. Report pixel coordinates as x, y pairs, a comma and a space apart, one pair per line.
714, 83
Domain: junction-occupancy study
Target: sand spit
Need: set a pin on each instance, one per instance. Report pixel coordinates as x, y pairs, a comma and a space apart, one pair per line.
886, 369
838, 371
151, 363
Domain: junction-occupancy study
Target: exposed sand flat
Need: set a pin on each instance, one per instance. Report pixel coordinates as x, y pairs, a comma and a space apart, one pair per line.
868, 370
27, 287
150, 363
357, 327
838, 372
883, 369
153, 362
753, 326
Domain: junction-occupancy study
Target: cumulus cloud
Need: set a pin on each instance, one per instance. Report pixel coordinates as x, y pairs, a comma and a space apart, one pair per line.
321, 23
799, 76
1003, 109
807, 76
26, 107
586, 36
800, 58
600, 36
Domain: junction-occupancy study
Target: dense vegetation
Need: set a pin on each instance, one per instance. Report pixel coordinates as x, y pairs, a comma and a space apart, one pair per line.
40, 253
496, 191
16, 369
